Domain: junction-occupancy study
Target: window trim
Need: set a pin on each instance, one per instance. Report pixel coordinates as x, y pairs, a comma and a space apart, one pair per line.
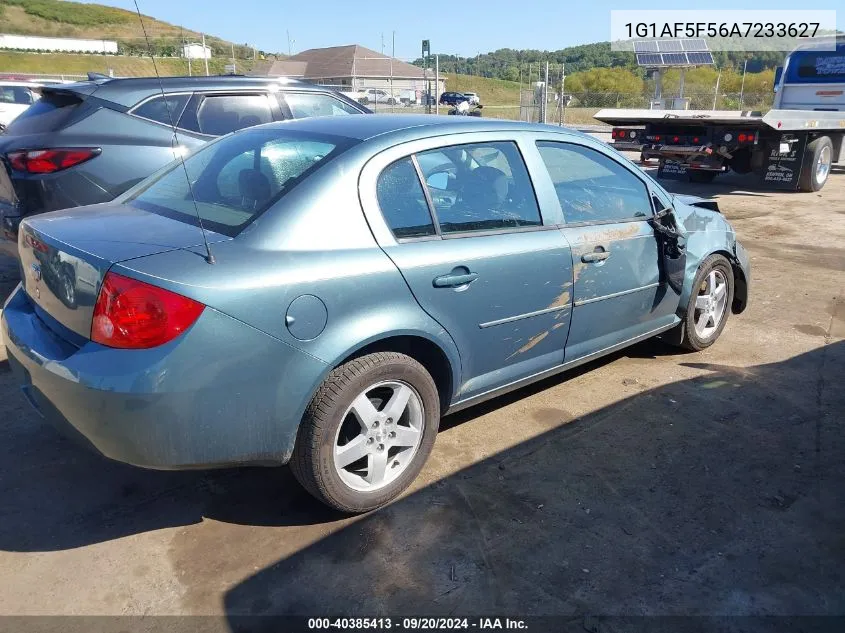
643, 182
432, 211
159, 95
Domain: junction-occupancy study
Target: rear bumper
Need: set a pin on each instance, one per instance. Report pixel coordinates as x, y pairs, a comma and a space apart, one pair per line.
221, 394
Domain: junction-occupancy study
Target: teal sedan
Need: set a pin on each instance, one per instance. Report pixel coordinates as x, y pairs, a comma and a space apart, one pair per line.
320, 292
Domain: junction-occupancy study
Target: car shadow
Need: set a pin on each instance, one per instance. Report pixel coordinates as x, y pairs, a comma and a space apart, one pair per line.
58, 495
721, 494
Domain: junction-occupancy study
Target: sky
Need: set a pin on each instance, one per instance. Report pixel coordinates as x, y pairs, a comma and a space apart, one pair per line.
465, 27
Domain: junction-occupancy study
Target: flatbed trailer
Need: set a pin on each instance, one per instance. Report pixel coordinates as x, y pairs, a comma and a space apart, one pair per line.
787, 149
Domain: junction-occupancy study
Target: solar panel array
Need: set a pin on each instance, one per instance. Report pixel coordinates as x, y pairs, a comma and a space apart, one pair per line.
689, 52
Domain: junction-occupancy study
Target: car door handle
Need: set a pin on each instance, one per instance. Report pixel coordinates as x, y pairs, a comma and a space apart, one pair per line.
595, 256
454, 280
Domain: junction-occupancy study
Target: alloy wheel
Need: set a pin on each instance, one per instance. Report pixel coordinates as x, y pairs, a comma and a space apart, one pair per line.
710, 304
379, 435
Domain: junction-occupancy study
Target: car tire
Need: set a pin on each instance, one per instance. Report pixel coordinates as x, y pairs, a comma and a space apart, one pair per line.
702, 299
816, 164
333, 421
701, 175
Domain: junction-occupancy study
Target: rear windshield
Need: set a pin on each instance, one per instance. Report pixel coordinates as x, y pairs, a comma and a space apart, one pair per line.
235, 179
48, 114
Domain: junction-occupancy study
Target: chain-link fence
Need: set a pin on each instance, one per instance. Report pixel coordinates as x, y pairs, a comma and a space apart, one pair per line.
579, 108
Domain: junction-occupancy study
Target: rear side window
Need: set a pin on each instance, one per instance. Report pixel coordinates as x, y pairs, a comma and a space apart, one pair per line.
165, 110
304, 104
220, 114
47, 114
236, 179
591, 186
18, 95
480, 187
402, 201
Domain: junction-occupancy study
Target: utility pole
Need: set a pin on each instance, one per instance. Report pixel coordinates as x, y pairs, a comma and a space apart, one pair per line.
546, 94
716, 93
234, 64
288, 34
382, 43
742, 89
187, 54
205, 54
436, 84
562, 100
392, 55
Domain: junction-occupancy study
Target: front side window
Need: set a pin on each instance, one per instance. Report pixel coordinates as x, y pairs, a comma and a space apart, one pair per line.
220, 114
304, 104
402, 201
479, 187
592, 187
165, 110
236, 179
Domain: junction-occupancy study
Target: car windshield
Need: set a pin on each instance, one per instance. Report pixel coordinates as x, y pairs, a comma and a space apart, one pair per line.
237, 178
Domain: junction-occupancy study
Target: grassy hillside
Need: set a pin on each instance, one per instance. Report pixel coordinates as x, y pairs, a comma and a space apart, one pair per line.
491, 91
126, 66
62, 18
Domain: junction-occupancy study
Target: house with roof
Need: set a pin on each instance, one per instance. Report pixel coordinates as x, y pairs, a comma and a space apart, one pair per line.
352, 68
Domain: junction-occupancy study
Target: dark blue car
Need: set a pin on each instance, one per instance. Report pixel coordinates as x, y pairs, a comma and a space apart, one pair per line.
452, 98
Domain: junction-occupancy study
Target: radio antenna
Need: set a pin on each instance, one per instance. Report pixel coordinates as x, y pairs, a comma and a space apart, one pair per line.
209, 257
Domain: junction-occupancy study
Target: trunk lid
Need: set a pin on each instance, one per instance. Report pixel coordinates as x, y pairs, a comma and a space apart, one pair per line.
65, 255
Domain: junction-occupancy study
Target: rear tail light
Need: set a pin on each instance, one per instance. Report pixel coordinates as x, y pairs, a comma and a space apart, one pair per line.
48, 161
657, 138
695, 139
613, 134
676, 139
131, 314
741, 137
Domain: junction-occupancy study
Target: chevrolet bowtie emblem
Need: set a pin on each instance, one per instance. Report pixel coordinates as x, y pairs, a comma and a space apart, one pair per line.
36, 271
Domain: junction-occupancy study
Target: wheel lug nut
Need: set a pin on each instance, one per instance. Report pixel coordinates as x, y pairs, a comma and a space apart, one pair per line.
381, 447
375, 424
392, 434
370, 440
389, 421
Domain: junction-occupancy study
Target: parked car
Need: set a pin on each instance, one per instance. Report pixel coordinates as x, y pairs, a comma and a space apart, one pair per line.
473, 98
452, 98
88, 142
337, 323
374, 95
15, 97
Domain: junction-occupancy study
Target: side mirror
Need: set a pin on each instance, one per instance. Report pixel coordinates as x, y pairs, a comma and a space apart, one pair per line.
778, 75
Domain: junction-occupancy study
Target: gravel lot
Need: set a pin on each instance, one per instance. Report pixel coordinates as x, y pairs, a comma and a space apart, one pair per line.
651, 482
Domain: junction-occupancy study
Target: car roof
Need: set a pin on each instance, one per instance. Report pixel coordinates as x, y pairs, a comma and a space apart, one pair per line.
413, 125
129, 91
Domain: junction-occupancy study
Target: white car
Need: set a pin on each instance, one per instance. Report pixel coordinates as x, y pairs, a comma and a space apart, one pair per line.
377, 96
473, 98
15, 97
